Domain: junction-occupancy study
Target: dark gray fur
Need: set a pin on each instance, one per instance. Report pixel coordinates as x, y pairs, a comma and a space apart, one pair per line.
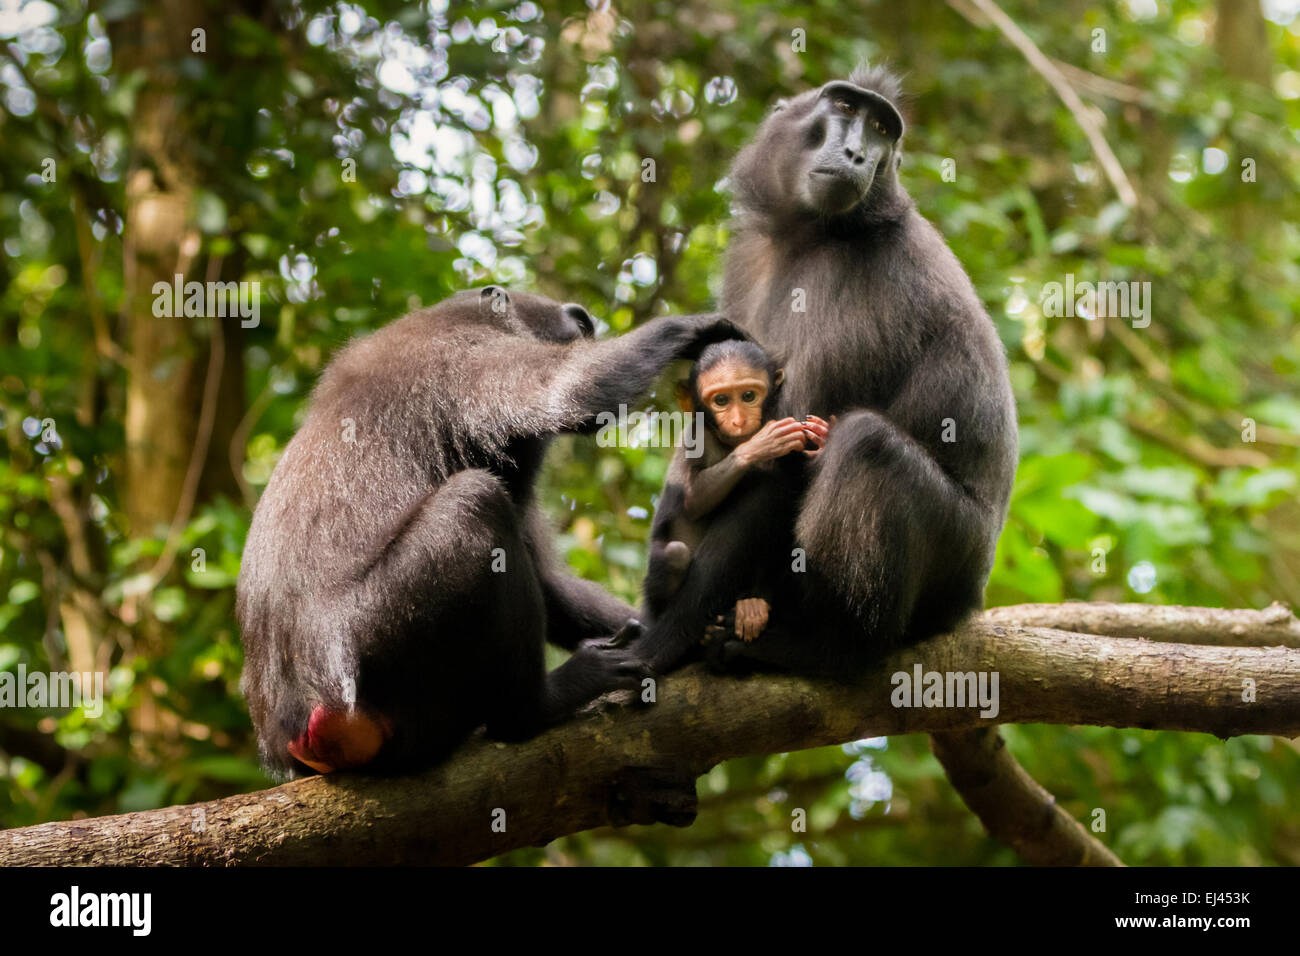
367, 574
899, 527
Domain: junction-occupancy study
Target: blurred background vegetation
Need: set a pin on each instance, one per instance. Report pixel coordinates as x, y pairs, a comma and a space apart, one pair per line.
357, 159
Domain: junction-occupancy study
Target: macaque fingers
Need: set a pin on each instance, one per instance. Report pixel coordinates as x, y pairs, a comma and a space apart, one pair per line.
818, 427
791, 427
751, 618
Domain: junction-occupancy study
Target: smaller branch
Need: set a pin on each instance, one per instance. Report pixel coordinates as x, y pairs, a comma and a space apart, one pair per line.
1195, 411
1083, 116
1269, 434
1194, 449
1274, 626
1142, 353
239, 442
88, 252
1011, 804
1198, 449
1104, 86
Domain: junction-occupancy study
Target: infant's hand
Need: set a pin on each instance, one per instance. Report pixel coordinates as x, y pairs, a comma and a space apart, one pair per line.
816, 431
774, 440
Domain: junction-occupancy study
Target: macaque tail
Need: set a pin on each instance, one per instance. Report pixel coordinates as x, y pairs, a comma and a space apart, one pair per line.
339, 739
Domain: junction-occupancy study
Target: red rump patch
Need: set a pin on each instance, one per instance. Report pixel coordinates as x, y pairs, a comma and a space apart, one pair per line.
338, 739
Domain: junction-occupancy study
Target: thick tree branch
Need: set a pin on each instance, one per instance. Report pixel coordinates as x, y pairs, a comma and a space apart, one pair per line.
634, 764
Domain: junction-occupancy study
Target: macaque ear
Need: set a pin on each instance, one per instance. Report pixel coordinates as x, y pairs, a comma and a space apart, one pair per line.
778, 378
685, 401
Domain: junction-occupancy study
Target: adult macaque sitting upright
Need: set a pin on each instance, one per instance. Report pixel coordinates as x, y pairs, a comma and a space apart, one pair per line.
890, 532
732, 389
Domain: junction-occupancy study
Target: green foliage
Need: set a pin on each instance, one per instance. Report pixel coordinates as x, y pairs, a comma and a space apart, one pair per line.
507, 142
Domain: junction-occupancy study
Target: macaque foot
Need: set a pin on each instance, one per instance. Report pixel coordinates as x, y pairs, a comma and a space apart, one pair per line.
745, 622
721, 648
751, 617
722, 628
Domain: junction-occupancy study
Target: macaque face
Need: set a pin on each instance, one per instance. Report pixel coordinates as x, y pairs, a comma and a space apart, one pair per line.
734, 395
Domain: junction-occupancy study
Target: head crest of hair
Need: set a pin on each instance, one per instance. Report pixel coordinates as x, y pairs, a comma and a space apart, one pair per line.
878, 79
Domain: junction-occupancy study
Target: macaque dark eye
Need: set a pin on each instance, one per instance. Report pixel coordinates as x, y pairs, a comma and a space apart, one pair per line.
845, 106
720, 401
879, 127
748, 397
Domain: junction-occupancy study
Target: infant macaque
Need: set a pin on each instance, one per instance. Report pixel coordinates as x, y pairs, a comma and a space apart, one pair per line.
734, 385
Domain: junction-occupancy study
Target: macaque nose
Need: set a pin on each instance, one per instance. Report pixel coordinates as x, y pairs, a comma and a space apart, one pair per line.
853, 148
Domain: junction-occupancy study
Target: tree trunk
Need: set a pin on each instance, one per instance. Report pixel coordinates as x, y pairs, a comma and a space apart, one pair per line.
160, 241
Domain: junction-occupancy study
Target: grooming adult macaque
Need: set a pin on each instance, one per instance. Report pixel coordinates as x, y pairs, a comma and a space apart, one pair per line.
397, 583
732, 387
892, 528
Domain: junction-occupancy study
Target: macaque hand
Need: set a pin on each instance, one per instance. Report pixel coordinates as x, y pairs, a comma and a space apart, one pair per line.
816, 431
774, 440
751, 618
625, 636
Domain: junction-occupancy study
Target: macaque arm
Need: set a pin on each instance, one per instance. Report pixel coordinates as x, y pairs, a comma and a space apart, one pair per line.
706, 488
583, 385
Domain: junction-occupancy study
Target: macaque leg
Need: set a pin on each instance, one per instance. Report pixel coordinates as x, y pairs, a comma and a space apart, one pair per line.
389, 708
677, 558
665, 571
776, 649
